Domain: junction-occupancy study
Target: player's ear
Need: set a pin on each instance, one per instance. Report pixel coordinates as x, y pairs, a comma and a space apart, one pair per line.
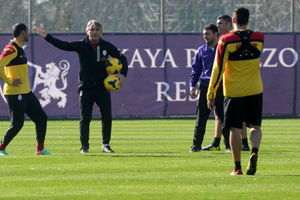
22, 32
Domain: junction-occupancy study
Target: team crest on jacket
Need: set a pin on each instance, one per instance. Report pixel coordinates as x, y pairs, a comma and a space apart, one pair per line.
104, 52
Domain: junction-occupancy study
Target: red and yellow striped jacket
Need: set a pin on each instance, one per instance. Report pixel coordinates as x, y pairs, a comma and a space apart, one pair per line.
13, 65
237, 61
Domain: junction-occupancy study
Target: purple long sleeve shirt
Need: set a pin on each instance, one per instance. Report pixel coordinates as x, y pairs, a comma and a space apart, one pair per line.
202, 66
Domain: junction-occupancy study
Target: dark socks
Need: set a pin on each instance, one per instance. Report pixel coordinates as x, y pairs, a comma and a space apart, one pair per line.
39, 146
245, 142
237, 165
216, 142
2, 148
254, 150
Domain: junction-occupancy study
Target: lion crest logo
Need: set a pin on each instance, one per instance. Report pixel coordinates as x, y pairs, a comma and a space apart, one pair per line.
49, 80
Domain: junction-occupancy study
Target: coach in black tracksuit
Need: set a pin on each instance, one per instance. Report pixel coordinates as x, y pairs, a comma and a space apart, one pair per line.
93, 53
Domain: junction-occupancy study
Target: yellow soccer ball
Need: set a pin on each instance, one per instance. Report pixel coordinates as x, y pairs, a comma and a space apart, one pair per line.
113, 66
112, 83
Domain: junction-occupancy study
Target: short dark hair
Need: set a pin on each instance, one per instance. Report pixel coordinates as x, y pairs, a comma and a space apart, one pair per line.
241, 16
211, 27
226, 18
18, 28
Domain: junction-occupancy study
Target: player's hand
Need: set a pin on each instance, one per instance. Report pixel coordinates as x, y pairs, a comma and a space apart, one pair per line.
122, 79
210, 103
42, 32
16, 82
193, 91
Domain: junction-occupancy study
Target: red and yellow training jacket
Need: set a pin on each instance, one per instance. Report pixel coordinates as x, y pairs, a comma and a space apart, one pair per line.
13, 65
237, 61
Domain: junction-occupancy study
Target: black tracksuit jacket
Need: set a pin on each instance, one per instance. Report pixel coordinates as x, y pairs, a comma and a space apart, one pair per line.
91, 68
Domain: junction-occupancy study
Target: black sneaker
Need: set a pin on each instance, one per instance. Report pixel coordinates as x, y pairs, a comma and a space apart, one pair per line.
245, 148
211, 148
251, 169
107, 149
195, 148
84, 150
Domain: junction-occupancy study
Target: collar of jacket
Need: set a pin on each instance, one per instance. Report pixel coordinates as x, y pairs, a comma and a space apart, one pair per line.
87, 41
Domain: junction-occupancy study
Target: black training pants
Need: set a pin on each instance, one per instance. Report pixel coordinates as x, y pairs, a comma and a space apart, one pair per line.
19, 105
87, 98
203, 114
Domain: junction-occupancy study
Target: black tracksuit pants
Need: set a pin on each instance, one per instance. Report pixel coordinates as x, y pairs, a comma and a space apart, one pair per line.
203, 114
19, 105
87, 98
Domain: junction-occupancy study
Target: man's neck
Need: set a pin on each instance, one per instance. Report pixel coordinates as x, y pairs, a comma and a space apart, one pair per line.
20, 40
213, 44
94, 41
226, 32
238, 27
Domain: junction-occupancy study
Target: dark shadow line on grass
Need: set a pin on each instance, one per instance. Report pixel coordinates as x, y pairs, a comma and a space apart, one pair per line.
118, 156
280, 175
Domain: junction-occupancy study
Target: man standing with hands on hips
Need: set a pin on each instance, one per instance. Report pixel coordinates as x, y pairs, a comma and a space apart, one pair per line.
93, 53
237, 61
20, 99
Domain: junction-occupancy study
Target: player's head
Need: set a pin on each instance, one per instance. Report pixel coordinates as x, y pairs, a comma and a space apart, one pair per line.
224, 23
21, 31
210, 33
240, 16
94, 30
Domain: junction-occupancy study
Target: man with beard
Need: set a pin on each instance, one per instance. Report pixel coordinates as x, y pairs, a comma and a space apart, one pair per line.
18, 94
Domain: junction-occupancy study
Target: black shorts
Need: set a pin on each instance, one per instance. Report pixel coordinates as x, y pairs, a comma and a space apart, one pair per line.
243, 109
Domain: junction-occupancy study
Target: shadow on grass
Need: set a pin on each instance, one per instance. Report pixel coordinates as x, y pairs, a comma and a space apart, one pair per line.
280, 175
149, 155
130, 155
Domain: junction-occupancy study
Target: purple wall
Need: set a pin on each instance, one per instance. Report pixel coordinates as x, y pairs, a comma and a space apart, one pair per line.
157, 82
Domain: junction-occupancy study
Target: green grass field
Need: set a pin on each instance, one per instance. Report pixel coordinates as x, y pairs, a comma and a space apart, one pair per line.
152, 161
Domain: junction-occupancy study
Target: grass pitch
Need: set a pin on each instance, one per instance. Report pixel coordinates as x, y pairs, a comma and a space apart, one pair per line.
152, 161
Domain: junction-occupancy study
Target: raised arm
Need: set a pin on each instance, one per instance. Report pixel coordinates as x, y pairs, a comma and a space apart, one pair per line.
63, 45
42, 32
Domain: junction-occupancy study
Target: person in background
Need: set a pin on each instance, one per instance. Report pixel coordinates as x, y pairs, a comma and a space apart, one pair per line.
201, 70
